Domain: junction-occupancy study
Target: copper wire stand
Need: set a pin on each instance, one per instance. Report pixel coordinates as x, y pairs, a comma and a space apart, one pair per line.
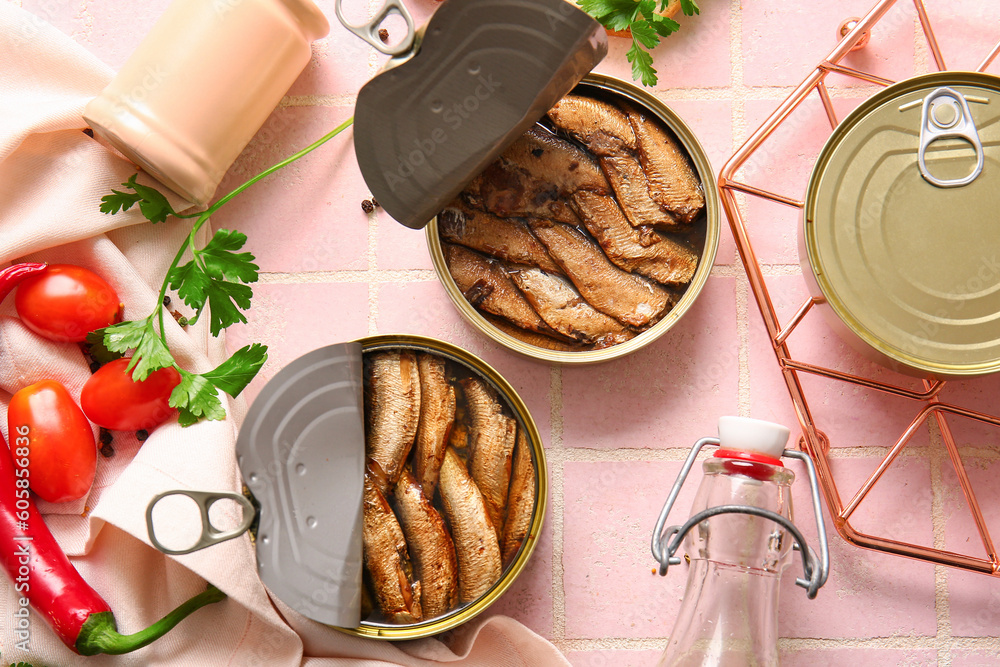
814, 441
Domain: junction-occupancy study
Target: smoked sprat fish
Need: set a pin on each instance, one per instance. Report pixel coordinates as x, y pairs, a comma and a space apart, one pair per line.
437, 416
430, 546
535, 339
520, 500
544, 156
476, 545
672, 181
628, 298
387, 559
392, 413
508, 239
632, 190
600, 126
649, 254
561, 306
492, 436
486, 285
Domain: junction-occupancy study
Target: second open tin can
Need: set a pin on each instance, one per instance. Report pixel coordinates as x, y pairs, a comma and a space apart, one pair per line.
899, 244
464, 364
704, 238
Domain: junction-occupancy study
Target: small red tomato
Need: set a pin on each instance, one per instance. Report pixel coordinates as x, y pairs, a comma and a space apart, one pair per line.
112, 399
66, 302
52, 442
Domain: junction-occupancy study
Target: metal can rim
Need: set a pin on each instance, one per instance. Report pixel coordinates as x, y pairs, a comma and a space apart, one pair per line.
706, 174
813, 268
517, 405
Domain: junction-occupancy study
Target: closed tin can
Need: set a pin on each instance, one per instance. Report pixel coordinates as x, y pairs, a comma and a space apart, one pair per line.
201, 83
899, 243
702, 239
464, 364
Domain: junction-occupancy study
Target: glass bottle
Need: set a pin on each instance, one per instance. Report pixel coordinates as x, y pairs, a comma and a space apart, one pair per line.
730, 610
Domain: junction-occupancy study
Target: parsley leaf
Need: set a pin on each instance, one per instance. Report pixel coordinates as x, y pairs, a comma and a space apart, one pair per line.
152, 204
235, 373
613, 14
689, 7
647, 26
217, 276
642, 65
97, 350
150, 352
195, 397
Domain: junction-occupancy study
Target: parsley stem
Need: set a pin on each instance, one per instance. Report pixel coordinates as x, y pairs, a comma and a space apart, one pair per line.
205, 215
270, 170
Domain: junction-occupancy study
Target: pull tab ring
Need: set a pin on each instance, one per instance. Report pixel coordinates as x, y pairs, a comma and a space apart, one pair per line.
369, 31
209, 534
945, 115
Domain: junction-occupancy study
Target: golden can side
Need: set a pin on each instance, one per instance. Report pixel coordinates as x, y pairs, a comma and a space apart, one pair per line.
509, 396
606, 85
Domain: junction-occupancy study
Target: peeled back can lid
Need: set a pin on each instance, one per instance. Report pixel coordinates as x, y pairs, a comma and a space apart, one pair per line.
901, 225
480, 73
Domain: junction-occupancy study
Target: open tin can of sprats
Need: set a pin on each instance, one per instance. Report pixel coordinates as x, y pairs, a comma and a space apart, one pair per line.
691, 244
302, 456
899, 244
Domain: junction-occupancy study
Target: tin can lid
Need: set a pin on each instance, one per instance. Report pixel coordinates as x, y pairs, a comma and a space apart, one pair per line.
900, 226
301, 451
483, 71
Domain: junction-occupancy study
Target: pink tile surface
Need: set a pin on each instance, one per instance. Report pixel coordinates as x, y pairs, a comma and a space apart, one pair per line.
782, 44
850, 415
298, 318
689, 58
307, 216
868, 594
834, 657
610, 585
672, 390
611, 658
614, 431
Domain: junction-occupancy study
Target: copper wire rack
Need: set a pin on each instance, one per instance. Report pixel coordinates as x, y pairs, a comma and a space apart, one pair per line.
924, 395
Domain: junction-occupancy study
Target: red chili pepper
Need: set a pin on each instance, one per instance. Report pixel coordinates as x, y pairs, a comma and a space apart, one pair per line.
44, 577
12, 275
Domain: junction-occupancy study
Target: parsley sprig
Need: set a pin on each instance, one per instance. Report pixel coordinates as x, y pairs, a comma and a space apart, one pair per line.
217, 277
646, 25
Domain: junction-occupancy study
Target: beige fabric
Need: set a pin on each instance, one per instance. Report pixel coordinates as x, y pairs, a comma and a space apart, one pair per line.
51, 178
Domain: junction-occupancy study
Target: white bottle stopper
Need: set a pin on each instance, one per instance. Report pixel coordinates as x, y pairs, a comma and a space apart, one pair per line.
752, 435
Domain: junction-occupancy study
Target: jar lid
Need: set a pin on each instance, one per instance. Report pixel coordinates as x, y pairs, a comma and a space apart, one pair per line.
743, 434
900, 224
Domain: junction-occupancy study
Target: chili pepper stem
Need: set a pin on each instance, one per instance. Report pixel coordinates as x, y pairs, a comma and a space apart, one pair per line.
99, 633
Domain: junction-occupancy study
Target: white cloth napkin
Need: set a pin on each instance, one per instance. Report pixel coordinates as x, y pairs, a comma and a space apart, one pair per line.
52, 176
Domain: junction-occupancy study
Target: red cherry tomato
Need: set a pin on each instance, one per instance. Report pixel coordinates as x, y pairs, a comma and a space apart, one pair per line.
52, 442
111, 399
66, 302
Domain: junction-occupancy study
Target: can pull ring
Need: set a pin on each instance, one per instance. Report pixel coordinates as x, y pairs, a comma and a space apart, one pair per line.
666, 541
945, 115
209, 534
369, 31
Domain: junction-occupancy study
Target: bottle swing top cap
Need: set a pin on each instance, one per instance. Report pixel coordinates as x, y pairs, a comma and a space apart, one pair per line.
742, 435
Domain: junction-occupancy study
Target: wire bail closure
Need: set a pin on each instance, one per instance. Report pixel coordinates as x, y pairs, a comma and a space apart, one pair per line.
666, 541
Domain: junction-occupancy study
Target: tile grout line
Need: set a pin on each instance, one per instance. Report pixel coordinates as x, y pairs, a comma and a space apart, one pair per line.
942, 603
739, 129
374, 286
557, 508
